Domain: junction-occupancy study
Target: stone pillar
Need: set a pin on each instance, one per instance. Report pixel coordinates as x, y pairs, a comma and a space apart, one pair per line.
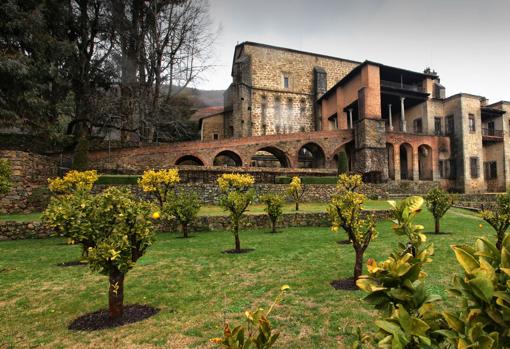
351, 125
389, 117
396, 161
416, 164
403, 115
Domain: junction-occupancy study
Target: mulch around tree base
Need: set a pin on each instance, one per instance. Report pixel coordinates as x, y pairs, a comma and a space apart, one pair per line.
344, 242
71, 264
99, 320
243, 250
344, 284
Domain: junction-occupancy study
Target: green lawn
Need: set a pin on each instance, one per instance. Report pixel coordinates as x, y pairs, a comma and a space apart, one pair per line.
213, 210
196, 287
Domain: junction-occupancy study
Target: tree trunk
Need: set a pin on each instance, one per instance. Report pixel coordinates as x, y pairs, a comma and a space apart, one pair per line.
185, 230
273, 226
236, 235
297, 205
499, 243
116, 294
437, 226
358, 264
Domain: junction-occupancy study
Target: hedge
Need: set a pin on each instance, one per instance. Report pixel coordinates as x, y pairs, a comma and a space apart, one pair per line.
118, 179
308, 180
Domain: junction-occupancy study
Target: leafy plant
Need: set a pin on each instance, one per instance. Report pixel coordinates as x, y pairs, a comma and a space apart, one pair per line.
499, 217
396, 287
257, 333
5, 176
296, 191
438, 202
345, 210
184, 208
73, 181
113, 228
159, 183
273, 208
237, 193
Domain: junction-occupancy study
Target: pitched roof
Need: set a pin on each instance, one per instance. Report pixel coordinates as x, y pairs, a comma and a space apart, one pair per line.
206, 113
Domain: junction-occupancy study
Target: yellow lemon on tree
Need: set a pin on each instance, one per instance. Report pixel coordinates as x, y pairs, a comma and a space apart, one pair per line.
156, 215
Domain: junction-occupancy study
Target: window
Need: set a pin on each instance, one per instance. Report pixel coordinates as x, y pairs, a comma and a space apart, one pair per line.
449, 125
418, 125
472, 124
215, 136
473, 164
286, 81
490, 169
446, 169
438, 130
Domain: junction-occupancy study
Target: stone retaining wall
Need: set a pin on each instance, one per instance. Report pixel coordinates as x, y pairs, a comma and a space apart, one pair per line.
10, 230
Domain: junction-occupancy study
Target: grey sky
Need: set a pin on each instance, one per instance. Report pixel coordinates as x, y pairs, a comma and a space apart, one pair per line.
465, 41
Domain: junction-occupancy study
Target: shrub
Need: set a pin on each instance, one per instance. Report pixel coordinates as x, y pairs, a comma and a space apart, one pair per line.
346, 212
5, 176
159, 183
237, 194
396, 287
118, 179
184, 208
296, 191
73, 181
499, 217
438, 202
274, 208
257, 333
114, 229
343, 163
308, 179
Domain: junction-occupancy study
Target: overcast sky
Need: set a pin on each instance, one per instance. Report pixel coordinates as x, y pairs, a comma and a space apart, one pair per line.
466, 41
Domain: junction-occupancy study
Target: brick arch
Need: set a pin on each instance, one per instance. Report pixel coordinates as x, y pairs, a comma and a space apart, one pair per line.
316, 149
282, 155
235, 158
189, 158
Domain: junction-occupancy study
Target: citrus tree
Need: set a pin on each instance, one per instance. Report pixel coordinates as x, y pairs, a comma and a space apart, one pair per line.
5, 176
114, 230
296, 191
499, 217
273, 207
438, 203
73, 182
237, 193
159, 183
184, 208
345, 210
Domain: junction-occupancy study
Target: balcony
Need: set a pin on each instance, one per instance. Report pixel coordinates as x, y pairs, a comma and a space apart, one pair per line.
492, 135
401, 86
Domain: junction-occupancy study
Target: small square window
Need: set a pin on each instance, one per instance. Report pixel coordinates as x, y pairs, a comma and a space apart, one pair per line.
215, 136
285, 82
472, 123
473, 162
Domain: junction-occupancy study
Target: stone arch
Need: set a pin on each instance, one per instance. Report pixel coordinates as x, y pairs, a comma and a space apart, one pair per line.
390, 149
189, 160
270, 157
227, 158
311, 155
406, 161
425, 163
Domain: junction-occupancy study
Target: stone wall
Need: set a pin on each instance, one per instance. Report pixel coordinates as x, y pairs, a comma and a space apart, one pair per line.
10, 230
29, 181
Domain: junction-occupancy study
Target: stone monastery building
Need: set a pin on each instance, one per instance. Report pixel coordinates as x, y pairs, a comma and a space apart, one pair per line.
393, 123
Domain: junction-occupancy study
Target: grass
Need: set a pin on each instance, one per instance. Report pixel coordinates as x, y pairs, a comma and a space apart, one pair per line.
197, 287
213, 210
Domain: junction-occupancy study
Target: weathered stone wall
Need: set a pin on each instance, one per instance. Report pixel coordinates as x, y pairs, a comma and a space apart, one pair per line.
10, 230
29, 181
211, 126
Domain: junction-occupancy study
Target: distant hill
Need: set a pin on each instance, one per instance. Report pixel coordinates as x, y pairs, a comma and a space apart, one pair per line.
202, 98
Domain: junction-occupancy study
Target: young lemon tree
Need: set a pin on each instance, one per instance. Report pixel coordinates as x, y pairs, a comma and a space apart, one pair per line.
499, 217
73, 182
345, 210
115, 231
184, 207
296, 191
237, 193
273, 207
438, 202
159, 183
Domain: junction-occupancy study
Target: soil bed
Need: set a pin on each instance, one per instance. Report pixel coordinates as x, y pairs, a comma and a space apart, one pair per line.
99, 320
344, 284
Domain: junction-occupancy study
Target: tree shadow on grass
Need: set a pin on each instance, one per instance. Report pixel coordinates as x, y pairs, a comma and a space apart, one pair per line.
234, 251
440, 233
344, 284
72, 264
100, 319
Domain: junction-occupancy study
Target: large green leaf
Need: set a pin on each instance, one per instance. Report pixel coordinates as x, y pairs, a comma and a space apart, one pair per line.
482, 287
466, 260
